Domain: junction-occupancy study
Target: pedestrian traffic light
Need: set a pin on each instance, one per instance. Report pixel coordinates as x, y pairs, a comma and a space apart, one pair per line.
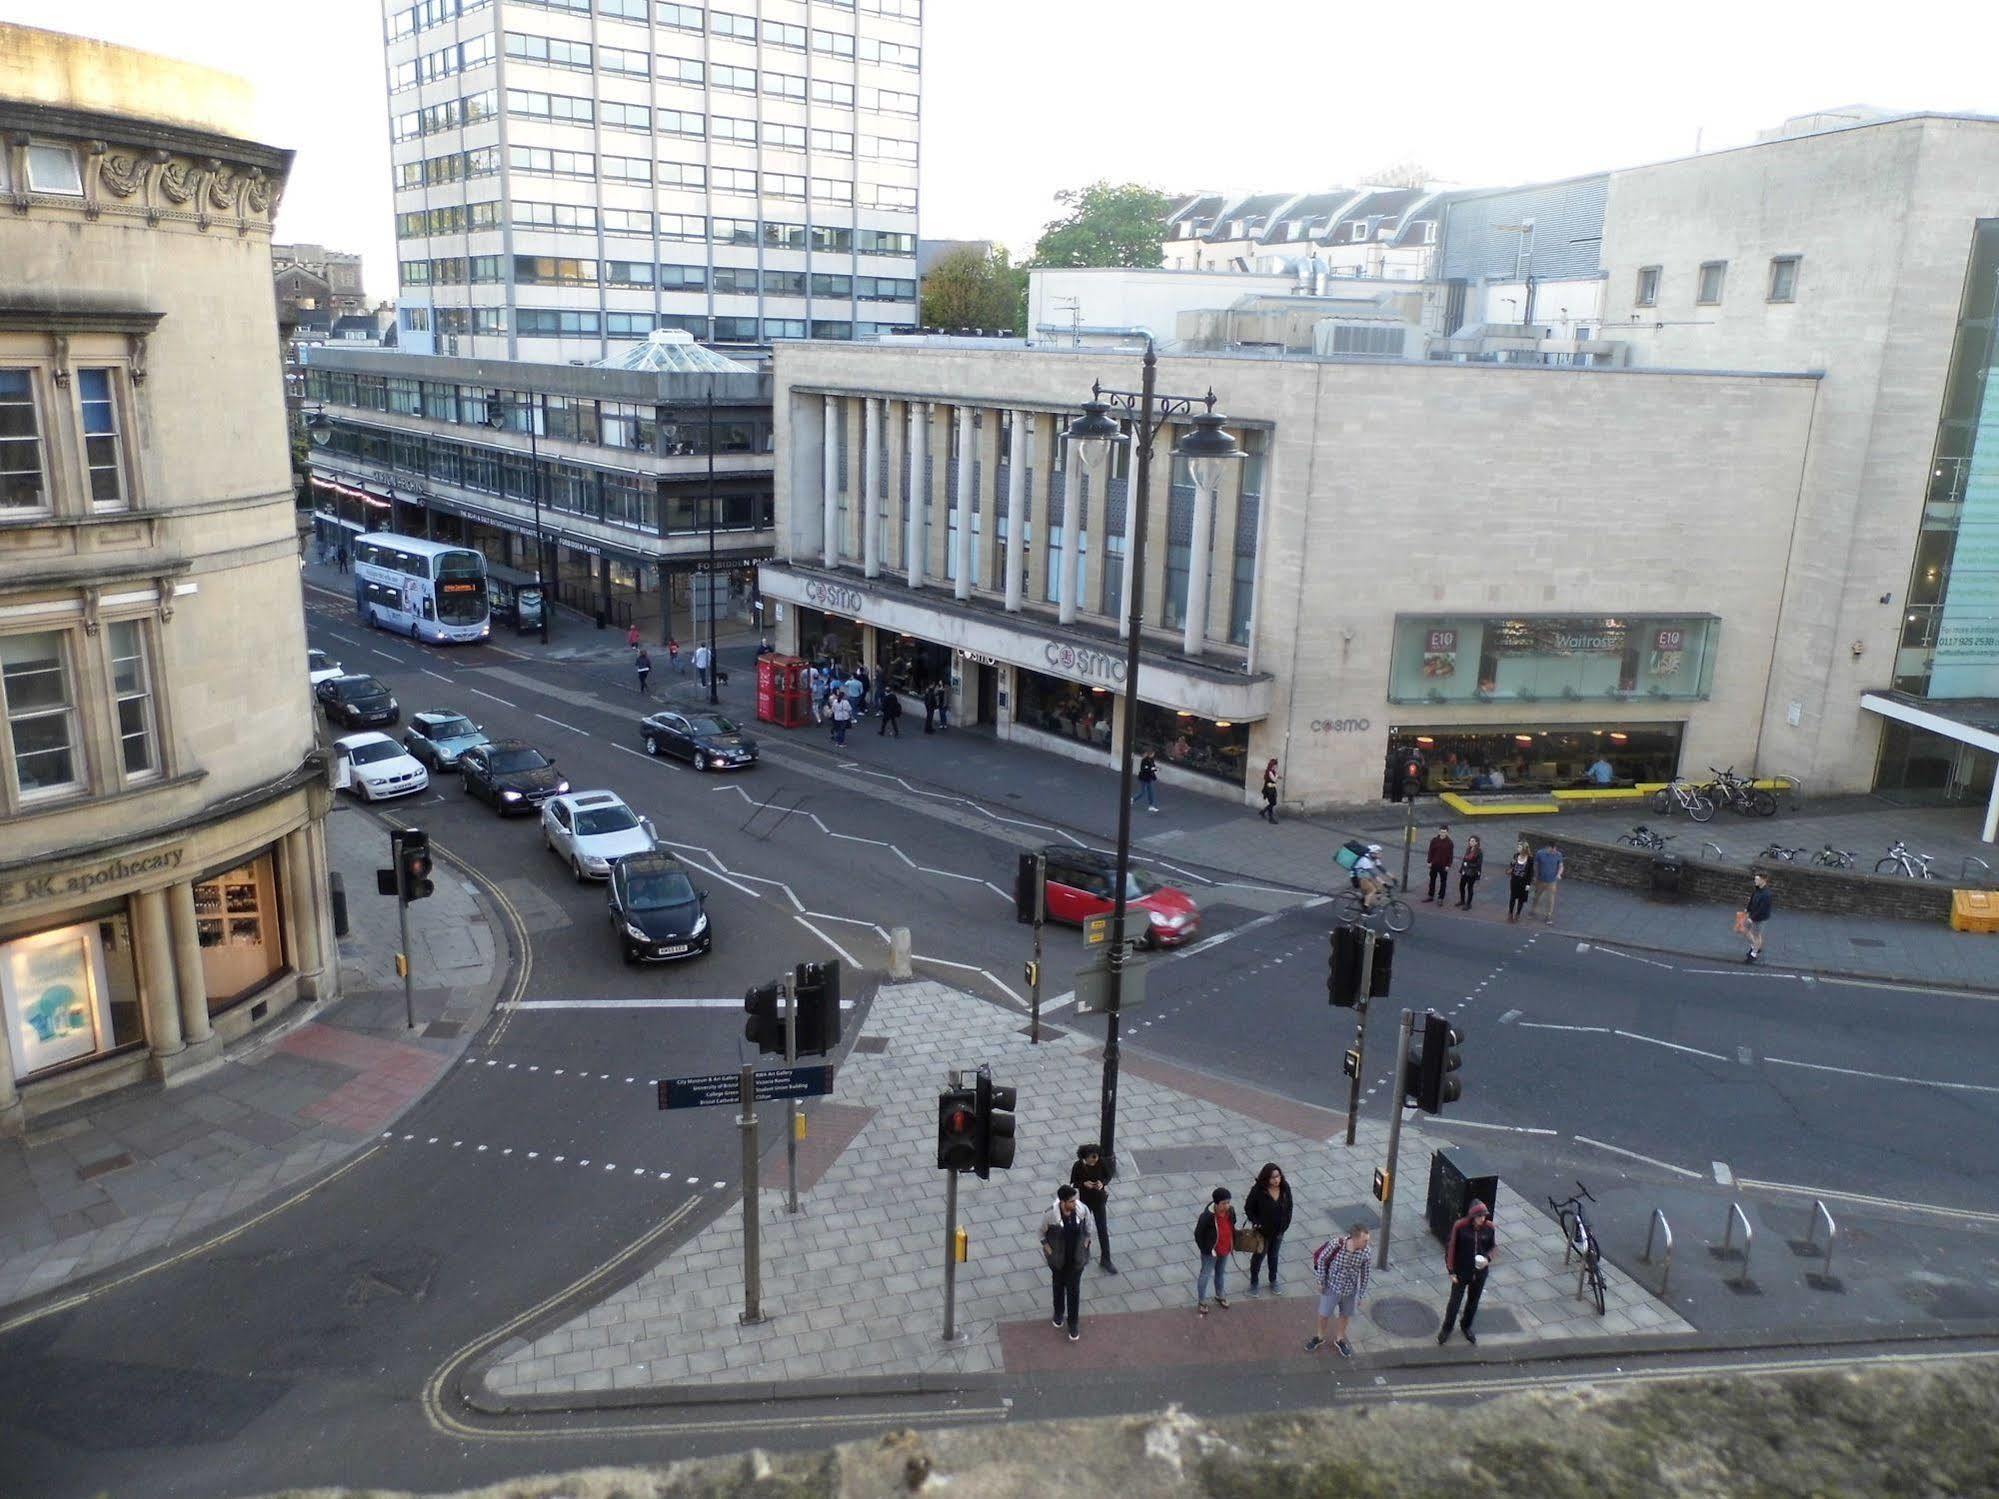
993, 1131
816, 987
413, 865
1384, 961
1343, 967
766, 1023
957, 1130
1437, 1083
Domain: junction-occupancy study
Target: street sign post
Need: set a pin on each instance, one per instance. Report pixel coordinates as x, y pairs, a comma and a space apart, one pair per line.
715, 1088
1096, 930
1093, 984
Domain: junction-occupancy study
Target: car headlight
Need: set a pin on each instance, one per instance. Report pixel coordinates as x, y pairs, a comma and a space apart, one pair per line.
394, 706
562, 788
700, 925
1161, 918
510, 796
637, 933
592, 861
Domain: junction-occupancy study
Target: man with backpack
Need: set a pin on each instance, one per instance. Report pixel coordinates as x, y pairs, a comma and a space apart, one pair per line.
1341, 1266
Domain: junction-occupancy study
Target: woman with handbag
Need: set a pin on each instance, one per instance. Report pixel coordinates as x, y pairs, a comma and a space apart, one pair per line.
1268, 1208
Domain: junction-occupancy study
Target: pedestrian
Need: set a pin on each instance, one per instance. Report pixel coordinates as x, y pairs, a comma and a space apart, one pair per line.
930, 709
1443, 853
632, 638
1468, 1252
764, 647
815, 690
643, 662
1091, 1177
343, 556
1268, 1209
703, 659
1342, 1267
1214, 1236
1065, 1245
842, 714
1519, 880
1754, 914
1148, 776
856, 692
867, 693
1470, 867
673, 655
1269, 813
891, 715
1547, 875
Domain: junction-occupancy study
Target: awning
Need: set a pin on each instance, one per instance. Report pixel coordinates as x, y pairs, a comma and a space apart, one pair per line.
1971, 720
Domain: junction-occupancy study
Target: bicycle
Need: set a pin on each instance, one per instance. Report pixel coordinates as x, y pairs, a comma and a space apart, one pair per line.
1643, 837
1898, 860
1579, 1239
1681, 795
1742, 796
1351, 905
1778, 851
1832, 858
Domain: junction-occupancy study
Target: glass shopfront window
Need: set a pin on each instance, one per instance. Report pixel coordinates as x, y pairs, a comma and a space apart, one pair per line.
70, 994
828, 637
1552, 658
236, 921
1066, 709
1209, 747
1537, 757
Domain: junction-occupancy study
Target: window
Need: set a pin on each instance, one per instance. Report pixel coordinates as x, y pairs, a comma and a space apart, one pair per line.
132, 690
1648, 286
486, 269
840, 142
549, 270
833, 43
784, 137
621, 60
683, 278
533, 159
22, 487
884, 289
628, 273
1712, 273
784, 327
822, 329
682, 122
889, 148
783, 236
1551, 658
734, 278
894, 54
52, 169
832, 286
891, 102
630, 220
680, 17
784, 283
1784, 278
627, 169
726, 128
734, 180
741, 80
839, 241
627, 117
534, 105
783, 185
883, 242
550, 50
734, 231
682, 174
739, 330
783, 85
778, 34
625, 10
824, 92
41, 720
562, 216
723, 23
832, 190
881, 195
553, 322
685, 226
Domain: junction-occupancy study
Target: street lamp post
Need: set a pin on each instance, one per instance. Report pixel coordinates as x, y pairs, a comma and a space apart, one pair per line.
1208, 448
714, 675
496, 419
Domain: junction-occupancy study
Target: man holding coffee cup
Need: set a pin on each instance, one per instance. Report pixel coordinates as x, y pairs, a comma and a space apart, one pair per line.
1468, 1257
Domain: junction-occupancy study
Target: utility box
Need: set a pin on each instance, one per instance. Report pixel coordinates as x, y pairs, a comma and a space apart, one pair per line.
1974, 911
1665, 876
1456, 1177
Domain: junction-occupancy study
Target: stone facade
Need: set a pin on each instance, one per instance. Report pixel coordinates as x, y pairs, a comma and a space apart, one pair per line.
162, 885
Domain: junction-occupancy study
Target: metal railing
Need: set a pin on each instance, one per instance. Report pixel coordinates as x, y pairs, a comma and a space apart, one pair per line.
1964, 870
1735, 1216
1718, 855
1666, 1260
1831, 1234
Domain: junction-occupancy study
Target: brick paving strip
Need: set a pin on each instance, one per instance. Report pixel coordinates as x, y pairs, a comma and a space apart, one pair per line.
853, 1285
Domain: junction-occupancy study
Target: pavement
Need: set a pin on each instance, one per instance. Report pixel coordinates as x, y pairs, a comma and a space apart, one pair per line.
852, 1284
117, 1177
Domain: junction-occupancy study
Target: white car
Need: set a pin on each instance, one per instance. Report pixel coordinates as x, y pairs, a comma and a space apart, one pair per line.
320, 667
374, 767
593, 830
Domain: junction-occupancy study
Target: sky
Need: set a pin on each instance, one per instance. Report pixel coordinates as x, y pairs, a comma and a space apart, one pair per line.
1023, 98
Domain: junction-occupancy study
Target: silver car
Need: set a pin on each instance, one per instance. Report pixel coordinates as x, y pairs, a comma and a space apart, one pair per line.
439, 737
592, 830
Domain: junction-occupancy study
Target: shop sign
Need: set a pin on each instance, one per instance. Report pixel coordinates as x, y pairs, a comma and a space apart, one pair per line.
84, 881
980, 657
1082, 661
52, 992
834, 596
1341, 725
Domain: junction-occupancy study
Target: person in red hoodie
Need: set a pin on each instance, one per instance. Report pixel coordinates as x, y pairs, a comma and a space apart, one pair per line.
1468, 1253
1443, 853
1214, 1236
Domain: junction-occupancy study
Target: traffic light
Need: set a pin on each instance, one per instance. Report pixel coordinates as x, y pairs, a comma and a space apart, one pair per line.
766, 1023
957, 1130
413, 864
993, 1133
816, 988
1436, 1082
1384, 961
1343, 967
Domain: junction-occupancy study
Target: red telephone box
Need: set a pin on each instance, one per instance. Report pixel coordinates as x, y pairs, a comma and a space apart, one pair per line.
783, 697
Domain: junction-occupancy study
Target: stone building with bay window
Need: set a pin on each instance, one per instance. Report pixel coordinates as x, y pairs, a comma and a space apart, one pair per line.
162, 862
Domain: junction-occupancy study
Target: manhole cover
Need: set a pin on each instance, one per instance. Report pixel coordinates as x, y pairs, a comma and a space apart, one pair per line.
443, 1030
1405, 1317
1213, 1160
870, 1046
1048, 1032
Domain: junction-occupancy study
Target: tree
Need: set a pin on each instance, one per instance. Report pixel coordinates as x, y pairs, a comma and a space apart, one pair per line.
974, 287
1106, 224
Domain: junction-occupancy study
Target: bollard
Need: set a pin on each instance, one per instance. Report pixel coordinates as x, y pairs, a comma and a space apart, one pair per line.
898, 953
1735, 1216
1831, 1233
1666, 1260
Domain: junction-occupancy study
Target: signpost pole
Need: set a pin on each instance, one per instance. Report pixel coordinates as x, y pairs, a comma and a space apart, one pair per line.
1040, 915
951, 1252
752, 1271
403, 923
1408, 835
791, 1104
1394, 1132
1360, 1033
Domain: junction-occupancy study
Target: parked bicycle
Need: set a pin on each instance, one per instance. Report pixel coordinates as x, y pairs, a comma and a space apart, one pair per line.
1833, 858
1351, 905
1579, 1239
1778, 851
1643, 837
1899, 860
1682, 795
1740, 794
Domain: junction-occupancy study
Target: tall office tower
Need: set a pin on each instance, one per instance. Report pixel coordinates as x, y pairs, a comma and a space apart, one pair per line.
571, 174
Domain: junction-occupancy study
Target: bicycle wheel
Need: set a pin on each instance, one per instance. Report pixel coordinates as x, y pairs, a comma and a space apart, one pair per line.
1889, 866
1763, 804
1662, 802
1397, 916
1628, 841
1699, 808
1569, 1223
1346, 906
1595, 1275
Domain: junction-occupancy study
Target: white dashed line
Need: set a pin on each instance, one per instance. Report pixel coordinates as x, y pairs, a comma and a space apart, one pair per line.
1634, 1155
482, 693
1723, 1177
561, 725
1884, 1077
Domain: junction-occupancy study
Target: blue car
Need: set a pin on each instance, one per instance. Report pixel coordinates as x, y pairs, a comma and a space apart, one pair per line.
438, 738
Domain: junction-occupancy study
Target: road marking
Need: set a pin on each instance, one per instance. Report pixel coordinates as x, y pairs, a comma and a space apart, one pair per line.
705, 869
974, 968
344, 638
1911, 988
561, 725
385, 655
1723, 1177
438, 674
640, 753
1518, 1129
483, 693
1611, 952
852, 961
1229, 936
1549, 1025
1713, 1056
1745, 1056
1885, 1077
1864, 1200
653, 1002
1743, 972
1510, 1016
1634, 1155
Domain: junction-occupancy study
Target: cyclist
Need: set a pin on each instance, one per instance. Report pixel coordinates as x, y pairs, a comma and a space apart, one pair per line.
1370, 878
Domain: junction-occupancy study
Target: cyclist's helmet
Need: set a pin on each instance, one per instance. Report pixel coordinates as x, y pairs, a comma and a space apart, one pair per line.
1374, 848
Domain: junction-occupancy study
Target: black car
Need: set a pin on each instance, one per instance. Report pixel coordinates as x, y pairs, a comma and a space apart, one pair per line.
708, 740
357, 701
655, 909
511, 774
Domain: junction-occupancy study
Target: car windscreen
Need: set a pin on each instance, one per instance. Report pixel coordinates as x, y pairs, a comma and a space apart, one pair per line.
712, 723
363, 687
450, 728
1141, 885
656, 889
372, 754
592, 821
518, 759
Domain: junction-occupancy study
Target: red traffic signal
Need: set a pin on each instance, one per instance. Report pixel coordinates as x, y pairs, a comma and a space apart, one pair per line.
413, 865
957, 1130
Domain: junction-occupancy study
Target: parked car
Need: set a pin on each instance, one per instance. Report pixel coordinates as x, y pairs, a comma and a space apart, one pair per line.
593, 830
320, 667
439, 737
374, 767
360, 702
1080, 883
511, 774
656, 910
707, 740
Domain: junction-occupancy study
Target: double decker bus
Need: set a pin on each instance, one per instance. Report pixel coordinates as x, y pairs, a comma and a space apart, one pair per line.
427, 590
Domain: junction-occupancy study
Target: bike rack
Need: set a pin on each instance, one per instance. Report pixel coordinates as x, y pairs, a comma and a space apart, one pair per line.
1812, 1235
1735, 1216
1666, 1261
1718, 855
1964, 869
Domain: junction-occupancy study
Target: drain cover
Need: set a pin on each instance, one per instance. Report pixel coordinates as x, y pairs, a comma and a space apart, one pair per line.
1405, 1317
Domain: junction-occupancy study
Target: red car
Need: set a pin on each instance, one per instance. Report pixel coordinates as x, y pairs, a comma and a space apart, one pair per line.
1080, 882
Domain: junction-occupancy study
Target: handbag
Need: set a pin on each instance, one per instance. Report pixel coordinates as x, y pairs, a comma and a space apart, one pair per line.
1742, 923
1249, 1240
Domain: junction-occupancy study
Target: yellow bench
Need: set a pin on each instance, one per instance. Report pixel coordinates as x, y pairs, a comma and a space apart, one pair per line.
1602, 794
1467, 808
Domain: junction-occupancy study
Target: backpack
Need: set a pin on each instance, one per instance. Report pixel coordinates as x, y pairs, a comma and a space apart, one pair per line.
1323, 1257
